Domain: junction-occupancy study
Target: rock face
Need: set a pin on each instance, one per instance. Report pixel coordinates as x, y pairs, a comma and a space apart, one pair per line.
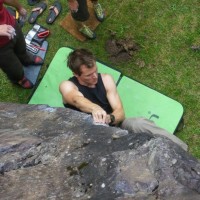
57, 153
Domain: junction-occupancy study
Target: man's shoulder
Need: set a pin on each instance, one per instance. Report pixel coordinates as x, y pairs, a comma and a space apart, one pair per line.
69, 81
66, 83
104, 75
107, 77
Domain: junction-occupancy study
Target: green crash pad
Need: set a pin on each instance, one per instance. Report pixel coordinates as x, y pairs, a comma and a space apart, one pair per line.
138, 99
141, 101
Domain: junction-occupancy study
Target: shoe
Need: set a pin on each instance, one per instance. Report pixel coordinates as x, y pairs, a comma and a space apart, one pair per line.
36, 60
33, 60
25, 83
87, 32
38, 10
100, 15
54, 11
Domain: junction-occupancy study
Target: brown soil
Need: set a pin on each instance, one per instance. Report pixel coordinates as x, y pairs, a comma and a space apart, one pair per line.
120, 50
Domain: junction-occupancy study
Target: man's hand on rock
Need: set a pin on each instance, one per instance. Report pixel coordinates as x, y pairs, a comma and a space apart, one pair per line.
100, 116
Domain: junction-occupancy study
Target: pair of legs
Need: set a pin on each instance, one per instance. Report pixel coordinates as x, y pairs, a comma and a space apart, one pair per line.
139, 125
83, 15
13, 56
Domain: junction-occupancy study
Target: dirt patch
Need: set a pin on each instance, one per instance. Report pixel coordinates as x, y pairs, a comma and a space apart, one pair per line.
120, 50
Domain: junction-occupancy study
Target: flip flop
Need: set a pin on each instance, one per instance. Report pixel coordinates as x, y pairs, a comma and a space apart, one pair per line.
55, 10
38, 10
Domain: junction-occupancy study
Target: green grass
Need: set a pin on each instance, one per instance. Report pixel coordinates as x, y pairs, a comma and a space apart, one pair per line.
165, 31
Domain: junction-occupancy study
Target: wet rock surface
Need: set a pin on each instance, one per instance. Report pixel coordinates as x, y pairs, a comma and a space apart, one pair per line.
58, 153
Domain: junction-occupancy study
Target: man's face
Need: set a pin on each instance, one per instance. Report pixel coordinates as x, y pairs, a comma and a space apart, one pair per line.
89, 76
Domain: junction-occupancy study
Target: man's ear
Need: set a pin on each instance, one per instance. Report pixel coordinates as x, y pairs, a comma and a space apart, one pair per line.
76, 75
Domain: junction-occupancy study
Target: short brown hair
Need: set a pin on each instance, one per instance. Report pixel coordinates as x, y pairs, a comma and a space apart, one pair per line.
80, 57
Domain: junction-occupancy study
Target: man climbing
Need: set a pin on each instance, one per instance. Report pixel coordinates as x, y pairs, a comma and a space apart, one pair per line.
13, 54
79, 12
91, 92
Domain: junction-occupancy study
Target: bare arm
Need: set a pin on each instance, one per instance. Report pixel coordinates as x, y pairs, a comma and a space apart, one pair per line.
13, 3
73, 5
17, 5
113, 98
72, 96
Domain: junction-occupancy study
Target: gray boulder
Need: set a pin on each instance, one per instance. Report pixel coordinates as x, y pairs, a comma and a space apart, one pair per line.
58, 153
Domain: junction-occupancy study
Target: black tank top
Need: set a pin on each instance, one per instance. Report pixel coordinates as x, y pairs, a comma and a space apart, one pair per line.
96, 95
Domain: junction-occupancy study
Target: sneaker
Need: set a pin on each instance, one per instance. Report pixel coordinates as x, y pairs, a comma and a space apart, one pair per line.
100, 15
87, 32
37, 60
25, 83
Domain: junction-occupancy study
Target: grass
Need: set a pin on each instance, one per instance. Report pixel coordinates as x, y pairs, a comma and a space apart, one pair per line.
165, 31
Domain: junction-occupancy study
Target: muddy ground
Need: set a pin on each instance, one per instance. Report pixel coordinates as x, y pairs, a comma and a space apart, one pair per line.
120, 50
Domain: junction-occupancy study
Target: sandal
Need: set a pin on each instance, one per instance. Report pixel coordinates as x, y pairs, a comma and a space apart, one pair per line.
55, 10
38, 10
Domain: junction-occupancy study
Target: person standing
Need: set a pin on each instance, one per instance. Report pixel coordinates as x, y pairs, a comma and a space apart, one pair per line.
80, 14
13, 54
